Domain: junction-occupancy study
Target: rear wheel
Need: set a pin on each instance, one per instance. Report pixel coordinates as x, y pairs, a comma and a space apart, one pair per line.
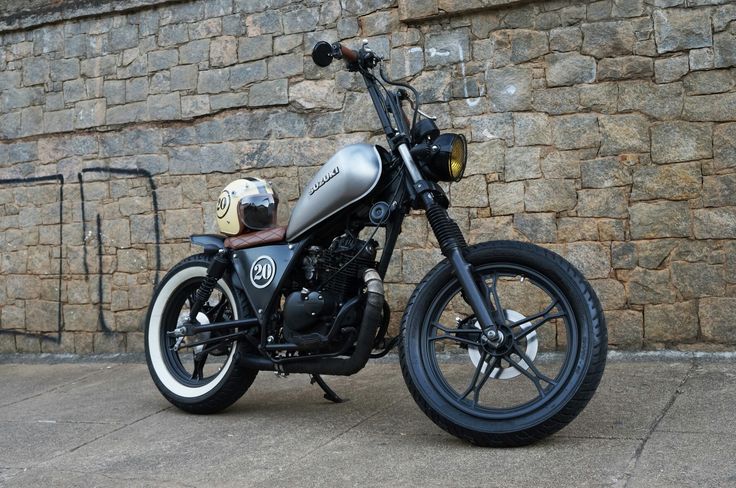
531, 380
198, 378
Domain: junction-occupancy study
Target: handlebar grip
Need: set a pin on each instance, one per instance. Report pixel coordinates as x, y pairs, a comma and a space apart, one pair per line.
349, 55
323, 53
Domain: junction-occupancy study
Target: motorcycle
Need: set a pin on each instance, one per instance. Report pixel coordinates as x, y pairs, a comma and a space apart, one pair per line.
501, 344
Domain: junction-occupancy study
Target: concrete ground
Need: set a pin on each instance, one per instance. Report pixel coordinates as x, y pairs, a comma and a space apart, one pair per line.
654, 422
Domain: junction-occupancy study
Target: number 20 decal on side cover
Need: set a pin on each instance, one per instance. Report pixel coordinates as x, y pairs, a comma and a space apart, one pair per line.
262, 272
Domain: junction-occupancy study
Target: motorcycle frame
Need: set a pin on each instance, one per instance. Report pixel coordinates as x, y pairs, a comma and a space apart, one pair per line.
414, 191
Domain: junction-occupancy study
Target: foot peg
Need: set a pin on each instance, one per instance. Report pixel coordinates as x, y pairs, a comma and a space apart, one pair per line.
329, 392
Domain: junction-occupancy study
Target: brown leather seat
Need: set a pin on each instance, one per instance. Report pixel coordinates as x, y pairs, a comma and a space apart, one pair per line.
251, 239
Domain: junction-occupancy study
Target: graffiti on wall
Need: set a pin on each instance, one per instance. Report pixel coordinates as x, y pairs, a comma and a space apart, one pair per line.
95, 269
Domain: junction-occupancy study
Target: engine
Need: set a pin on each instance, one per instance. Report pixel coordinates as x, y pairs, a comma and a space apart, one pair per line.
340, 267
332, 276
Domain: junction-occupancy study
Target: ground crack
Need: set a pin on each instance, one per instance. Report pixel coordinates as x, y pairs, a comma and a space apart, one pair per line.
634, 461
50, 390
116, 430
98, 438
158, 482
342, 433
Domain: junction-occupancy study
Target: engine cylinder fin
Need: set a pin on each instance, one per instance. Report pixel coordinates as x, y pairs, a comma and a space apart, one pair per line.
343, 282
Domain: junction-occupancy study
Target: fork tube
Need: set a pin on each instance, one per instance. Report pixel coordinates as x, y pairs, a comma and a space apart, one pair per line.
475, 299
452, 244
409, 164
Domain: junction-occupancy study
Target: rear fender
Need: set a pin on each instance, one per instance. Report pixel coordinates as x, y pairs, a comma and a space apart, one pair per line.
211, 243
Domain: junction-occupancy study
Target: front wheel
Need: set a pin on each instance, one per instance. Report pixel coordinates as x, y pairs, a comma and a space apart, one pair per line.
529, 382
194, 375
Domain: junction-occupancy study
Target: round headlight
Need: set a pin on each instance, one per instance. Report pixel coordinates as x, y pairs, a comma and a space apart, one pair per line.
449, 159
458, 157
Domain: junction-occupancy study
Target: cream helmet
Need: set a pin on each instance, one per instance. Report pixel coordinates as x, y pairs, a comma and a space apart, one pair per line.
246, 205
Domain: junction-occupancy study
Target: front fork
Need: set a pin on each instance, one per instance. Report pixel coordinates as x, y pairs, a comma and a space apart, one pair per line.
453, 244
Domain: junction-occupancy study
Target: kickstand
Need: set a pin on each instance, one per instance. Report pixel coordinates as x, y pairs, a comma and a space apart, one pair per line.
329, 392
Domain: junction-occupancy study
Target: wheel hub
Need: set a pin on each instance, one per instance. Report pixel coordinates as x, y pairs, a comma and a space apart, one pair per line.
203, 320
498, 344
502, 345
494, 337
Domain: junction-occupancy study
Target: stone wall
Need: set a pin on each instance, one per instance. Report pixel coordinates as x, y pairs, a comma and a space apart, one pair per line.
603, 130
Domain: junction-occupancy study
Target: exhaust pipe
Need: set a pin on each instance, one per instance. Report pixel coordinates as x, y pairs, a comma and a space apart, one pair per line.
338, 366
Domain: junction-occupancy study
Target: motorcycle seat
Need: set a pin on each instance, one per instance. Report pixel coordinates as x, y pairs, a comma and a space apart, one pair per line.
252, 239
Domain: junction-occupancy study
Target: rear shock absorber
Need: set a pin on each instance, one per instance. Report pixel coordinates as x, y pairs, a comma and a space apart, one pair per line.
215, 271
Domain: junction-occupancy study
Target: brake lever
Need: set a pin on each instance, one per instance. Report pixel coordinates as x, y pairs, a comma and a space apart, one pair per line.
369, 57
424, 114
420, 111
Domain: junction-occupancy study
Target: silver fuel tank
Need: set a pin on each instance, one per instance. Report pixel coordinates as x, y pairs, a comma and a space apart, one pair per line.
352, 173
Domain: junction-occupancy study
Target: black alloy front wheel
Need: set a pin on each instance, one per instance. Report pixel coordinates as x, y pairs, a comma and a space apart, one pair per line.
530, 380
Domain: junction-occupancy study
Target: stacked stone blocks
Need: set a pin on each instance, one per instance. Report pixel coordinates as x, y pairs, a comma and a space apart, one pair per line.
603, 130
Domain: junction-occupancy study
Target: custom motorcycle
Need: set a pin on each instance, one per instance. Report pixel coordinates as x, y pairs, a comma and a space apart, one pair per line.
502, 343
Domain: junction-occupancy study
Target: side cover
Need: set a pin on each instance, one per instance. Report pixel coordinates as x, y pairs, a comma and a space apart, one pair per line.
345, 178
261, 270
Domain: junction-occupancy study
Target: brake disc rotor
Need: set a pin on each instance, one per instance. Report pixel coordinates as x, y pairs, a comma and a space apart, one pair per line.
506, 373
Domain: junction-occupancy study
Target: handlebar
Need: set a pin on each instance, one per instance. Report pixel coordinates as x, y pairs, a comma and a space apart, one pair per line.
350, 55
387, 103
324, 52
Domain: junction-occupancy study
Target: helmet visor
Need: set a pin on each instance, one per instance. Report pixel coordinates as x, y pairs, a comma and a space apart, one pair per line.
258, 212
